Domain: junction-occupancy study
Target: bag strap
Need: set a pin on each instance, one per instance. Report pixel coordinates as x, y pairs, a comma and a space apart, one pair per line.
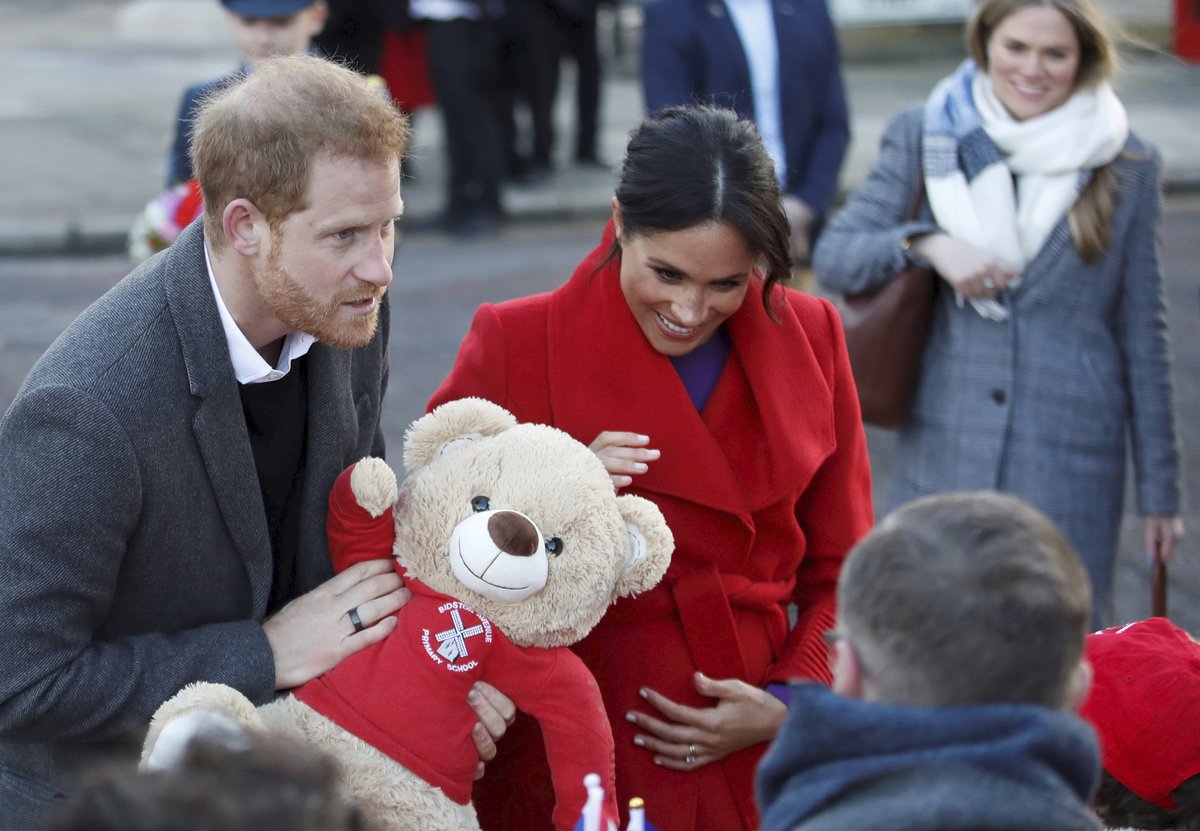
914, 206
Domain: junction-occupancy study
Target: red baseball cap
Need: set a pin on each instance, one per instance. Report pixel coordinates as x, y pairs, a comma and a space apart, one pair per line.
1145, 706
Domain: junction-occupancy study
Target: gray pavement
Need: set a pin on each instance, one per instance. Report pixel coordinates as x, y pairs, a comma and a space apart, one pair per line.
92, 86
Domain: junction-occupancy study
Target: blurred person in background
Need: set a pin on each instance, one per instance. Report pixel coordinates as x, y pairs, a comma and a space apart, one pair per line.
777, 63
261, 29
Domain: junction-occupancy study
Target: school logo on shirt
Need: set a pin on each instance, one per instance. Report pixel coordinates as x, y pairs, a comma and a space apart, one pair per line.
460, 634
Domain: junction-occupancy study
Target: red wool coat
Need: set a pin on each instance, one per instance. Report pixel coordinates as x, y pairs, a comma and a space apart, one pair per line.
765, 490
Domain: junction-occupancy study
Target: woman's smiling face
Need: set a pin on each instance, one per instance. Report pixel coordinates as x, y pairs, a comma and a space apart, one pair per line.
682, 285
1033, 60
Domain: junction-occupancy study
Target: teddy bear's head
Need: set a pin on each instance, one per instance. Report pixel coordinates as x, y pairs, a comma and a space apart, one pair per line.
521, 522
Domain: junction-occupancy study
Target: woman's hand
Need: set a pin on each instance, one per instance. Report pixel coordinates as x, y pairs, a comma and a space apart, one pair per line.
624, 455
743, 716
969, 271
315, 632
496, 712
1160, 533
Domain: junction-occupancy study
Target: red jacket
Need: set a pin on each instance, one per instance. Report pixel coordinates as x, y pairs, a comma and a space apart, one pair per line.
765, 491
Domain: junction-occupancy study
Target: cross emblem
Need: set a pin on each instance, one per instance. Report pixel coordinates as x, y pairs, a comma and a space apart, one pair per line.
454, 641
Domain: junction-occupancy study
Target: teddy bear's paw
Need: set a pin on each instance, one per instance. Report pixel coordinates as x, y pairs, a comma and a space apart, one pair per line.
374, 485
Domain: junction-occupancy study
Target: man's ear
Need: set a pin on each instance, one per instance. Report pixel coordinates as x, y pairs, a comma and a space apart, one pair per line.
1081, 686
847, 669
245, 227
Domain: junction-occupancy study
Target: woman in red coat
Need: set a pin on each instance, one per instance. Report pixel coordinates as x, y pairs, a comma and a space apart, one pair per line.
726, 399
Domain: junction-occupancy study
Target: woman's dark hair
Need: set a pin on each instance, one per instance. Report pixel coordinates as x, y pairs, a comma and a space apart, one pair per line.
1119, 807
689, 165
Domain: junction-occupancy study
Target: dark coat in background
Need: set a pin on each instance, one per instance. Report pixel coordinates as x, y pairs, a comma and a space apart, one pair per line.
691, 53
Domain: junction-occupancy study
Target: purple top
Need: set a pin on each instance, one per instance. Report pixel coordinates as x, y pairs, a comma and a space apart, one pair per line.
700, 368
699, 371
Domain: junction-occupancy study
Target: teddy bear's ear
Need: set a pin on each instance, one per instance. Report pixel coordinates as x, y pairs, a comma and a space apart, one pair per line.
455, 421
650, 545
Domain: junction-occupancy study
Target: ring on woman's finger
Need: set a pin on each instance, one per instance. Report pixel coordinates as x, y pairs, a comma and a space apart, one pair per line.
689, 759
356, 620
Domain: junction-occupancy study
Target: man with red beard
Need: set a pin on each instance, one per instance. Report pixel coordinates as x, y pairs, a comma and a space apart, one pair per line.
165, 467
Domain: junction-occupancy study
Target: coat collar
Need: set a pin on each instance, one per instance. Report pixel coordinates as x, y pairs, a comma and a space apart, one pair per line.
766, 428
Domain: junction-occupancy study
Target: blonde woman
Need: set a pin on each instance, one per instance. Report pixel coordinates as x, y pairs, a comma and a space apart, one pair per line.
1048, 351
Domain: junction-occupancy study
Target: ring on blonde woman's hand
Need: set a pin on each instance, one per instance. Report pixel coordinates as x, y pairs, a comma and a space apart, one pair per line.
356, 620
689, 759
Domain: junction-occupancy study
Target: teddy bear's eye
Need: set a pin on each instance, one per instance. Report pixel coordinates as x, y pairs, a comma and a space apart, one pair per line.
479, 504
554, 546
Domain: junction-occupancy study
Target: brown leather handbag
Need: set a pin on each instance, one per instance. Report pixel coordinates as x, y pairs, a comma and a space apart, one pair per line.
886, 331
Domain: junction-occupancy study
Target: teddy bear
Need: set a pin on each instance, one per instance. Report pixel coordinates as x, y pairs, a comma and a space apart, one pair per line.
513, 542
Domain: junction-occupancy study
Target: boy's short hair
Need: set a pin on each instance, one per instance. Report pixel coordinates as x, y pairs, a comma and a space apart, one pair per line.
257, 139
273, 784
1145, 706
966, 598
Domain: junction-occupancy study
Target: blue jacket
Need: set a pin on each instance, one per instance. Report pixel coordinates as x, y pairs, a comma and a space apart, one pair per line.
840, 764
691, 52
179, 165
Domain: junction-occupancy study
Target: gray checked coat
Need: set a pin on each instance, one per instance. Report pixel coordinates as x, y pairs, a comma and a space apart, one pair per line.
1041, 406
133, 539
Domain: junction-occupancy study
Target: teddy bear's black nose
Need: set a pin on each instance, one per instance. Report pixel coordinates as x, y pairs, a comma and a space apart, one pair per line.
513, 534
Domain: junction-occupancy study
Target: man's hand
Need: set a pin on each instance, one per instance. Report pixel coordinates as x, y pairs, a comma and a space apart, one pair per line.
314, 632
496, 712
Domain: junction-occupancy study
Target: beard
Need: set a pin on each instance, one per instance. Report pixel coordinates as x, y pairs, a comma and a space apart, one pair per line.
302, 311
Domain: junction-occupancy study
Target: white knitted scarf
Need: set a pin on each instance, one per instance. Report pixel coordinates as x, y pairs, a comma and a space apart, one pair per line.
1002, 185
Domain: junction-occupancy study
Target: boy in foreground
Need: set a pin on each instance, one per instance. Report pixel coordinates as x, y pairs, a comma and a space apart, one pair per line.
958, 668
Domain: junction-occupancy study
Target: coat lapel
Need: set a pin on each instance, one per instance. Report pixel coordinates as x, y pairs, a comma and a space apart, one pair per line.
332, 430
774, 408
217, 422
759, 437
